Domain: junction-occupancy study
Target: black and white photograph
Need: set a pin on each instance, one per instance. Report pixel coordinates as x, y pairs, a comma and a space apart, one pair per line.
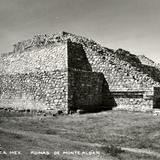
79, 79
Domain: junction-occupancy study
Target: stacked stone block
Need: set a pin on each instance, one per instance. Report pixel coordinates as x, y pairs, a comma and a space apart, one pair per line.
86, 91
49, 58
58, 76
47, 88
127, 82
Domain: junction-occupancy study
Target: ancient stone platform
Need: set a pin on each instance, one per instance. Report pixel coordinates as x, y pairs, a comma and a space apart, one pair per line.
68, 72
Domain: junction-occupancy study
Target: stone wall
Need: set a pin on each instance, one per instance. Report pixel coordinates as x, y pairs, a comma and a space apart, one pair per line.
138, 101
121, 68
31, 75
127, 81
134, 104
120, 75
135, 88
52, 57
55, 90
48, 89
87, 91
133, 101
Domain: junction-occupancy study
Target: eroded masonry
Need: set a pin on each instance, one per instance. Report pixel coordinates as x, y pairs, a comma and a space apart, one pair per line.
68, 72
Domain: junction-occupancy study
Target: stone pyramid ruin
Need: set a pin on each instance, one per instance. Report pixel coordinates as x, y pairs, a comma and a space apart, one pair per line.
68, 72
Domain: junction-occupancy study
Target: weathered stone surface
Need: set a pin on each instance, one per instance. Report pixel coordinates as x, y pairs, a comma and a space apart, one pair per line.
62, 71
32, 88
86, 91
40, 59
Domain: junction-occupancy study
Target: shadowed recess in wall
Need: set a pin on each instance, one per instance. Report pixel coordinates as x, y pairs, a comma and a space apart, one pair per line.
89, 92
77, 58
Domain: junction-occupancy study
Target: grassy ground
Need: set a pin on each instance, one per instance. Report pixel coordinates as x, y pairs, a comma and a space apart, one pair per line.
84, 133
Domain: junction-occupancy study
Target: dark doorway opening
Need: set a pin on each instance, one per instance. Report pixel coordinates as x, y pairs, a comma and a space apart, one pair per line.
156, 103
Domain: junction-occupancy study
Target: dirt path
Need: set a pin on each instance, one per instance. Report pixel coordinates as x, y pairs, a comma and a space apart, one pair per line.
143, 151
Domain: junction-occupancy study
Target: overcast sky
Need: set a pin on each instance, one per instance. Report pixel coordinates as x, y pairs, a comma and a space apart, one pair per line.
129, 24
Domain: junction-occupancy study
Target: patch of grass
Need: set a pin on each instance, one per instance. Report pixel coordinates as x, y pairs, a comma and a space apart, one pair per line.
135, 156
14, 114
51, 132
112, 150
125, 129
17, 136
